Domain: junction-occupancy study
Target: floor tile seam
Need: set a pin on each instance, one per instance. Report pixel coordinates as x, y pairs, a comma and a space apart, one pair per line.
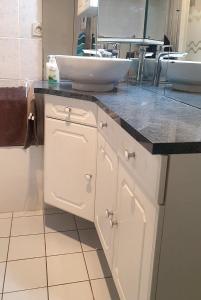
46, 255
85, 263
37, 215
40, 233
46, 266
6, 263
24, 290
50, 286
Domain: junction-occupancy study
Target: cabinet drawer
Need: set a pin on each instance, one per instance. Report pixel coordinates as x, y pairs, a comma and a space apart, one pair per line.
72, 110
148, 170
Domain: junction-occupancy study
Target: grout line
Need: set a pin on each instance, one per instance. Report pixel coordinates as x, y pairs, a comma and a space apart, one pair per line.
52, 255
4, 278
46, 256
85, 261
41, 233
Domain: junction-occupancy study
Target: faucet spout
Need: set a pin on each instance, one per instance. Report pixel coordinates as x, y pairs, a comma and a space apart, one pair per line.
158, 64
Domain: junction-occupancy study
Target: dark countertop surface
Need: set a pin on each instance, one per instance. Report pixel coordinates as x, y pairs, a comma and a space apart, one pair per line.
162, 120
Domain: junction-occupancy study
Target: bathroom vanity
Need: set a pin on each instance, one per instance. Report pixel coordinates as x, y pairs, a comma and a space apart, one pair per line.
130, 162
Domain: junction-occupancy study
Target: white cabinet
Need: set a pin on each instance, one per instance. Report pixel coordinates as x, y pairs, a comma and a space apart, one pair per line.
70, 167
88, 7
134, 240
106, 191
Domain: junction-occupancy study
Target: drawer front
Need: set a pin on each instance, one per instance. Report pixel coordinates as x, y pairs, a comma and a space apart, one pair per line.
71, 110
148, 170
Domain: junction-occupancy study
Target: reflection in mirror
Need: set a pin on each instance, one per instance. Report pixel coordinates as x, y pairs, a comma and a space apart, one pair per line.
121, 19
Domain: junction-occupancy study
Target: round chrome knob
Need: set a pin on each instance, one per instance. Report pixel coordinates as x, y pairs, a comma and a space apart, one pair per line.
129, 155
113, 223
102, 125
108, 213
88, 177
67, 109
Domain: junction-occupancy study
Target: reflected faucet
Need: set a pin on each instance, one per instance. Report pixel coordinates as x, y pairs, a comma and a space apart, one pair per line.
158, 65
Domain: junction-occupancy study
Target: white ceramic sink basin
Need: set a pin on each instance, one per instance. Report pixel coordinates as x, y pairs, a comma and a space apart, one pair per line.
185, 75
94, 74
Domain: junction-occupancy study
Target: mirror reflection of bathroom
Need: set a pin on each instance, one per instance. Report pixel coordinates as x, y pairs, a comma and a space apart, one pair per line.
161, 37
179, 60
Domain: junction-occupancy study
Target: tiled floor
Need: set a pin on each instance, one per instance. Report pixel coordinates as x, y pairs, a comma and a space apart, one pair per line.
52, 255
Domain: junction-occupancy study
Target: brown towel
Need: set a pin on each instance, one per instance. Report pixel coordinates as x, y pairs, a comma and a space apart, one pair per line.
13, 116
35, 120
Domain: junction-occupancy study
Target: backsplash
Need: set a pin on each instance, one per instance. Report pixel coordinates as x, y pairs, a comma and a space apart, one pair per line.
20, 53
194, 25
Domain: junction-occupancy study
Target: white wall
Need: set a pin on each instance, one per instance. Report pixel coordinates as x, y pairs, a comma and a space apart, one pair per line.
157, 19
58, 27
21, 171
194, 28
121, 18
21, 179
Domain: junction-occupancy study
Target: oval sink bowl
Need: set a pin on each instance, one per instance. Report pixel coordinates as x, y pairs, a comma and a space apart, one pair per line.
94, 74
185, 75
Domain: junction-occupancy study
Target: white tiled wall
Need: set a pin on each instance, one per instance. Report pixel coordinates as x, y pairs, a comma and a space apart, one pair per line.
21, 171
20, 53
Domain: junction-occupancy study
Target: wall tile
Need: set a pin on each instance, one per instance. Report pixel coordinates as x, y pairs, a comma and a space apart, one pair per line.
30, 12
9, 18
9, 58
31, 59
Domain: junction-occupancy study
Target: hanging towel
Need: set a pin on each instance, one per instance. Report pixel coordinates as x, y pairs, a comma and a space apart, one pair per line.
13, 116
35, 120
81, 43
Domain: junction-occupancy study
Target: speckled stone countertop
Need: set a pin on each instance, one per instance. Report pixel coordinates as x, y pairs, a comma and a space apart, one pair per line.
158, 118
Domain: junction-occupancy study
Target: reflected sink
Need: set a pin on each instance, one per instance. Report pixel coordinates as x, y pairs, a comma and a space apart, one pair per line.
94, 74
185, 75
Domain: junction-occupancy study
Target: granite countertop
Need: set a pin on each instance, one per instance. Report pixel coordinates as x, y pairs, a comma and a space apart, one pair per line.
163, 121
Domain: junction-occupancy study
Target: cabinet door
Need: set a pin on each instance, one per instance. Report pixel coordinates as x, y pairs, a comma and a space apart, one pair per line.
106, 192
134, 240
70, 167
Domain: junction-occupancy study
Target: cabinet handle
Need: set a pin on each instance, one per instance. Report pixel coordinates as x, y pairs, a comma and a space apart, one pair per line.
113, 223
102, 125
67, 109
108, 213
129, 155
88, 177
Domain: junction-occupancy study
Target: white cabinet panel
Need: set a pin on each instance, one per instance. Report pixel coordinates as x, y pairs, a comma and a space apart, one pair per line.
70, 167
106, 191
134, 240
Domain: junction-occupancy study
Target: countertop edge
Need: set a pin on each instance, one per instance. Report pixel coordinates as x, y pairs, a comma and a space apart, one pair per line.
153, 148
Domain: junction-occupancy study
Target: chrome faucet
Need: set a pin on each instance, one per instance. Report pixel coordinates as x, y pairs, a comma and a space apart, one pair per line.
158, 65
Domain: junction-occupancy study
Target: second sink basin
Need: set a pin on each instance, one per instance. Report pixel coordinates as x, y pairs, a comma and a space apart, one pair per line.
95, 74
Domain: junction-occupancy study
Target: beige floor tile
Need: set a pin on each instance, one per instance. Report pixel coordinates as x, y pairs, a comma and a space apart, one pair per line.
62, 243
3, 249
97, 265
66, 269
27, 225
5, 225
5, 215
84, 224
73, 291
89, 239
104, 289
28, 213
29, 246
37, 294
25, 274
59, 222
2, 272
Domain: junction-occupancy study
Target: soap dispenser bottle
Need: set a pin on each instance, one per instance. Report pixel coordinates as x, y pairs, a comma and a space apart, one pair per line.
52, 71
